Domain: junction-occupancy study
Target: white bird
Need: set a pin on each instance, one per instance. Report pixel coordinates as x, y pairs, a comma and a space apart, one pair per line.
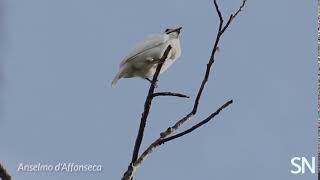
143, 59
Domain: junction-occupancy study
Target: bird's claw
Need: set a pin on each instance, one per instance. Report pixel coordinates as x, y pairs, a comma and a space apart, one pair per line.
150, 81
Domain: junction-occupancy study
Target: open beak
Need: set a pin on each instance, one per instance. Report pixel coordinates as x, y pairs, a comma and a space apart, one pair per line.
176, 30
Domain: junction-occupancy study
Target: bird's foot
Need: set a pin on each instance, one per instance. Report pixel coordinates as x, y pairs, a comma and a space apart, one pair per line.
150, 81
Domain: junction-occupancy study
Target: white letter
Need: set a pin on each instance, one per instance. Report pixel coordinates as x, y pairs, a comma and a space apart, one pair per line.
57, 167
305, 162
295, 165
64, 167
20, 168
99, 168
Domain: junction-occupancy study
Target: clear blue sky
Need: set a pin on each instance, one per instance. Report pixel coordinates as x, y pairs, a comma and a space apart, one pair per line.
58, 58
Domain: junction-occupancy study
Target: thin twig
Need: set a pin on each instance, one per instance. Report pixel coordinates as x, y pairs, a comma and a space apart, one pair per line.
4, 175
170, 94
147, 107
240, 9
203, 122
218, 10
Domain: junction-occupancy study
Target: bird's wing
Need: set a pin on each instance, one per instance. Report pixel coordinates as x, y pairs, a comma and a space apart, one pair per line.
149, 42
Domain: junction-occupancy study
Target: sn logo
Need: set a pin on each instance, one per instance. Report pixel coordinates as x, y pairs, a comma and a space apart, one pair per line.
300, 164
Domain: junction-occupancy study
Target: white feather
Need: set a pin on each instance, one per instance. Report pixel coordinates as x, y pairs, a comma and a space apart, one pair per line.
142, 60
150, 42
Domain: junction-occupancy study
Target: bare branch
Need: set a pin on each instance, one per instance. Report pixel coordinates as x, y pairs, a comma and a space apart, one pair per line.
235, 15
134, 166
240, 9
211, 60
162, 139
227, 24
164, 135
147, 106
4, 175
218, 10
203, 122
170, 94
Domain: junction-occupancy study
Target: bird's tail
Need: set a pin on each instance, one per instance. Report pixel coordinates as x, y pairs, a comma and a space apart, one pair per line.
115, 79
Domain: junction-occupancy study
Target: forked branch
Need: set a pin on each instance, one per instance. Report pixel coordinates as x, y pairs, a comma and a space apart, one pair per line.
203, 122
165, 136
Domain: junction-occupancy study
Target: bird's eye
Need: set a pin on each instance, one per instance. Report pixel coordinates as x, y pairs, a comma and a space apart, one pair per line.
167, 30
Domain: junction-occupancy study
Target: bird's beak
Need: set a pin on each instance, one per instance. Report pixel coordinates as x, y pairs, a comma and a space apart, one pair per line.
176, 30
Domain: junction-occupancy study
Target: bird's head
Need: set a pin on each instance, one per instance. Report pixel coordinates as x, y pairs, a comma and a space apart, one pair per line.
173, 32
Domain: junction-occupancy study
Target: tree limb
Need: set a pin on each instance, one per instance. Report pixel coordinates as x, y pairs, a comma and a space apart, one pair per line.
4, 175
164, 135
203, 122
147, 106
